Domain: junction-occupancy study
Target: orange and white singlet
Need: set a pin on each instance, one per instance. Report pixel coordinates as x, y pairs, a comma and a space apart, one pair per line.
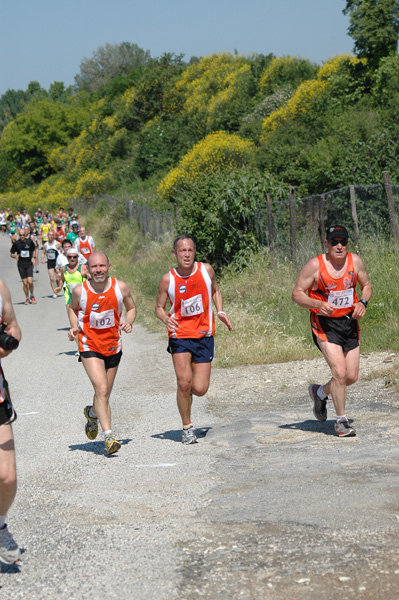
85, 247
191, 303
340, 293
99, 317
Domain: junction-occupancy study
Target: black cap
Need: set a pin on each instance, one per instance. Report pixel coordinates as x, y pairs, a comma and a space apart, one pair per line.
336, 231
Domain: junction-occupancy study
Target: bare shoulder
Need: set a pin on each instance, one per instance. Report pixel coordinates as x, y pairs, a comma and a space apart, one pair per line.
311, 267
123, 286
210, 269
164, 282
358, 263
4, 289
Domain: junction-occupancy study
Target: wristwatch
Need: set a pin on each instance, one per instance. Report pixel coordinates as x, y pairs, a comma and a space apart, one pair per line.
364, 302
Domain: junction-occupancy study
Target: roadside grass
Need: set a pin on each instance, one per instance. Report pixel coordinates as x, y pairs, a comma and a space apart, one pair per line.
268, 326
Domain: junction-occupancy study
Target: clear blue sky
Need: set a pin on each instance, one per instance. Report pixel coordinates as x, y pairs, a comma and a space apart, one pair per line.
46, 40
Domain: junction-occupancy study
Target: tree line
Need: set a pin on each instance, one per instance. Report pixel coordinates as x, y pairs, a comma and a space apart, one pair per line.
213, 134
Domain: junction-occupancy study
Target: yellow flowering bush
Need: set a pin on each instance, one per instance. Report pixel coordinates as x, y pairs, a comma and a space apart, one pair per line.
217, 152
93, 182
212, 91
305, 95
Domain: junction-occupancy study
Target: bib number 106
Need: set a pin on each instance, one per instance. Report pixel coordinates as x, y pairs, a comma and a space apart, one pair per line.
192, 306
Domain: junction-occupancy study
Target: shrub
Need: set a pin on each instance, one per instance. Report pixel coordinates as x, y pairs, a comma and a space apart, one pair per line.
288, 70
217, 152
219, 210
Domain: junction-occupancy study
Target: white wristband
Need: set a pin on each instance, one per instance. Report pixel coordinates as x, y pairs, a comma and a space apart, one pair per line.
221, 312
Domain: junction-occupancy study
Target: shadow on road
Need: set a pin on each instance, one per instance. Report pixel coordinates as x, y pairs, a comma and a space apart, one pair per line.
175, 434
327, 428
96, 447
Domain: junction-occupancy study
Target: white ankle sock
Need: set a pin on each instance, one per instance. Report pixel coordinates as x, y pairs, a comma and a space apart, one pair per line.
321, 394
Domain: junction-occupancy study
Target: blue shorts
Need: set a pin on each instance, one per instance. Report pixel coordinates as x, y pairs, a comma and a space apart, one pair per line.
202, 349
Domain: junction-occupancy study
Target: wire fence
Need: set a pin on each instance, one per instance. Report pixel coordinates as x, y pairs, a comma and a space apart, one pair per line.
285, 225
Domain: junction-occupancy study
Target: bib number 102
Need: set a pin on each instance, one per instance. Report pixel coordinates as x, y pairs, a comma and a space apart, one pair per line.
102, 320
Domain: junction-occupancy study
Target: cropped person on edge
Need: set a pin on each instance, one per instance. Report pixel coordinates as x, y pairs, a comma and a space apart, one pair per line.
9, 551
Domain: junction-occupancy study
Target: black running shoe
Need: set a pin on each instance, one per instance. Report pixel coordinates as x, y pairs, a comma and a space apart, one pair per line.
319, 406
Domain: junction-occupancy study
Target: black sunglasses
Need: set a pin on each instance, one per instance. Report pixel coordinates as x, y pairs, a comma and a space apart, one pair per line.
335, 242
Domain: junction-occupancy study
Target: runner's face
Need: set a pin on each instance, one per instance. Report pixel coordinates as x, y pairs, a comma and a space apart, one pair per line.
338, 251
99, 268
72, 259
185, 253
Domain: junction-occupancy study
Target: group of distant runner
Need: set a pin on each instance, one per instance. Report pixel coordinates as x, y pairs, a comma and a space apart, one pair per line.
96, 301
54, 235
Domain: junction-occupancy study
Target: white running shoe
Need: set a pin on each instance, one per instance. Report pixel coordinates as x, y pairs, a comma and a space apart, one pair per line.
9, 551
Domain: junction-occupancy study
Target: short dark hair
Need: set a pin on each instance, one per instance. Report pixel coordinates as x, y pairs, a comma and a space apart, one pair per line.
183, 237
66, 241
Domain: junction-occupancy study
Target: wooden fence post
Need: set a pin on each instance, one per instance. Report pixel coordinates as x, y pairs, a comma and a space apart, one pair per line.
292, 223
354, 215
270, 222
391, 207
322, 218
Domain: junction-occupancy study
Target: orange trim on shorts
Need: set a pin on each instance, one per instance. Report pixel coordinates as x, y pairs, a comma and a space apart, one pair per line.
317, 328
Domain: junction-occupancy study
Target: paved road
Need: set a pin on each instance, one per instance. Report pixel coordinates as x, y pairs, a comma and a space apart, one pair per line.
269, 504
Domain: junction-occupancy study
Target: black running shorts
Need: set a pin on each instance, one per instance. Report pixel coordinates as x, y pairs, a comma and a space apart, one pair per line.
25, 270
110, 361
343, 331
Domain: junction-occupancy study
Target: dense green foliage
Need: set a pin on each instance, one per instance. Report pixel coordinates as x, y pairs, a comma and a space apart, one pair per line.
185, 133
374, 25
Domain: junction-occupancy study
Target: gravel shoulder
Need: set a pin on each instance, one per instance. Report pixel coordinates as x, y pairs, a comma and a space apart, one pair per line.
269, 504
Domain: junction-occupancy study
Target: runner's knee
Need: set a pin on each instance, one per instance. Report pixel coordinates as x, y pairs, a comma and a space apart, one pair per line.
200, 389
351, 378
184, 384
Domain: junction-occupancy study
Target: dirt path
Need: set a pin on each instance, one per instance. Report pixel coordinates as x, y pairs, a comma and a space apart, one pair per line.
269, 504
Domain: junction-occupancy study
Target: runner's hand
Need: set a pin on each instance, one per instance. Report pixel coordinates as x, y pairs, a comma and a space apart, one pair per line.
126, 327
172, 324
359, 310
73, 334
225, 319
325, 309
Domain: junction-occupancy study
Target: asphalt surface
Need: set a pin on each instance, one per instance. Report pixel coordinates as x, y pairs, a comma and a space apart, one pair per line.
269, 503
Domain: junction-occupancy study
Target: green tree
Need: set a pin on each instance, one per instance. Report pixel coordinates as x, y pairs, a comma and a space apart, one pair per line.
108, 62
44, 125
374, 26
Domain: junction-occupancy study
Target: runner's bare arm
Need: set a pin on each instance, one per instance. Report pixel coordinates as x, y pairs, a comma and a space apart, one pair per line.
8, 316
130, 306
60, 280
217, 298
359, 309
306, 279
73, 313
160, 310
